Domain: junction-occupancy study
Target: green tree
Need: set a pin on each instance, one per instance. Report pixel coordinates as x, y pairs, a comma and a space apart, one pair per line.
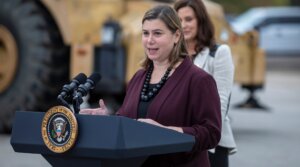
239, 6
295, 2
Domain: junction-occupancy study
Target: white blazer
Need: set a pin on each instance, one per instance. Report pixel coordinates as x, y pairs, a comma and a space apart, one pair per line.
221, 67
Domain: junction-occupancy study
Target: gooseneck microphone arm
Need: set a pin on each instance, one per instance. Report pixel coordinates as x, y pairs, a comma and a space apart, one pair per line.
83, 90
68, 89
63, 102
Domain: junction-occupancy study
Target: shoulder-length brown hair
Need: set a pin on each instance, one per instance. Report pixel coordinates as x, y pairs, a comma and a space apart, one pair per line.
170, 18
205, 34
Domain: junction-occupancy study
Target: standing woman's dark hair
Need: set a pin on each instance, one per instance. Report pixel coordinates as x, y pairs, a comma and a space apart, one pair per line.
205, 34
169, 16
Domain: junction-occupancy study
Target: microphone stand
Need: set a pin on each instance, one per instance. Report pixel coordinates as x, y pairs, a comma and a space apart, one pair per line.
77, 100
63, 101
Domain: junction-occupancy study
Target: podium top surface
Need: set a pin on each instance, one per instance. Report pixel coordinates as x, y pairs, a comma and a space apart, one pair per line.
101, 137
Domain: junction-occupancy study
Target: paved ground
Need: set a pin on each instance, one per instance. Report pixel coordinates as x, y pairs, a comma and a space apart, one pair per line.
8, 158
269, 138
264, 138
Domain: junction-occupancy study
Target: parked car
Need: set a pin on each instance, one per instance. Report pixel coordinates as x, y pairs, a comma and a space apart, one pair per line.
279, 28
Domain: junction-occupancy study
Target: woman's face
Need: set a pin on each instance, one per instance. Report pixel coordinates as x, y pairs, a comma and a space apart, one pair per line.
158, 40
189, 23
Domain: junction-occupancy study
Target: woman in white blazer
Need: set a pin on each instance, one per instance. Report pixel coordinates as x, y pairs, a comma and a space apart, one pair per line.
215, 60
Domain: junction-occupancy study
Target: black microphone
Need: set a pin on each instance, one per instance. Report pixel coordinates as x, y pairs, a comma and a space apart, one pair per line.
84, 89
68, 89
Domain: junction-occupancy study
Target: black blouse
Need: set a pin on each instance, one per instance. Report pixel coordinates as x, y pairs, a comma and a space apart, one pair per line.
143, 105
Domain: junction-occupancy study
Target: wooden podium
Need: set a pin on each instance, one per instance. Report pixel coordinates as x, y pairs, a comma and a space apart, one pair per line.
103, 141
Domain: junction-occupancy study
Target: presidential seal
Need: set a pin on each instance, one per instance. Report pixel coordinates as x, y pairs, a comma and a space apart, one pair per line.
59, 129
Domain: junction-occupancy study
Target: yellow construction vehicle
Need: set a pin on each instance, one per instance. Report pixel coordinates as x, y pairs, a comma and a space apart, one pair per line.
249, 58
44, 43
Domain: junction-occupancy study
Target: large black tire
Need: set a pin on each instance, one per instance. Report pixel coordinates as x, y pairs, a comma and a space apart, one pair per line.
43, 60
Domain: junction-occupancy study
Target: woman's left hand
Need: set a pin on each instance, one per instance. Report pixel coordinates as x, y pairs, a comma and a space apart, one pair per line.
151, 121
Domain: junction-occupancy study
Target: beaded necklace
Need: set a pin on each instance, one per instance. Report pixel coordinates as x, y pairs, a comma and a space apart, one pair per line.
147, 94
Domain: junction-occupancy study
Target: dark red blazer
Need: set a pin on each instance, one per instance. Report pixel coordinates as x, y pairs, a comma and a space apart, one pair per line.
189, 99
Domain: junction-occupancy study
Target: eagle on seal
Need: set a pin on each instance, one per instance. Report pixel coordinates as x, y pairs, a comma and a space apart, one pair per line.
59, 126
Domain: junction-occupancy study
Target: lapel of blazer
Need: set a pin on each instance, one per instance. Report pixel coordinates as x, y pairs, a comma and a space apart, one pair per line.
136, 97
132, 99
170, 85
202, 58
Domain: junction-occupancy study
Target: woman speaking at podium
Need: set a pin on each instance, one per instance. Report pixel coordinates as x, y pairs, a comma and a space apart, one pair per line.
171, 92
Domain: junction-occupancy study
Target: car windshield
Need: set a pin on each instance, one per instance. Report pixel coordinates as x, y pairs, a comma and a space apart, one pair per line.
246, 21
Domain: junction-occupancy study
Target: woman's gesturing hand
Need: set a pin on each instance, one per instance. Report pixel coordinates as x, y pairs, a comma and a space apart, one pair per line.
151, 121
102, 110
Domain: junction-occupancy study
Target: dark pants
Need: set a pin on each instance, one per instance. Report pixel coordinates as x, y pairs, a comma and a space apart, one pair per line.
219, 158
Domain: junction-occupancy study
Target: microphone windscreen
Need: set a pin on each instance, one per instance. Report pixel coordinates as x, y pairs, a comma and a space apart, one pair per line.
81, 78
95, 77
